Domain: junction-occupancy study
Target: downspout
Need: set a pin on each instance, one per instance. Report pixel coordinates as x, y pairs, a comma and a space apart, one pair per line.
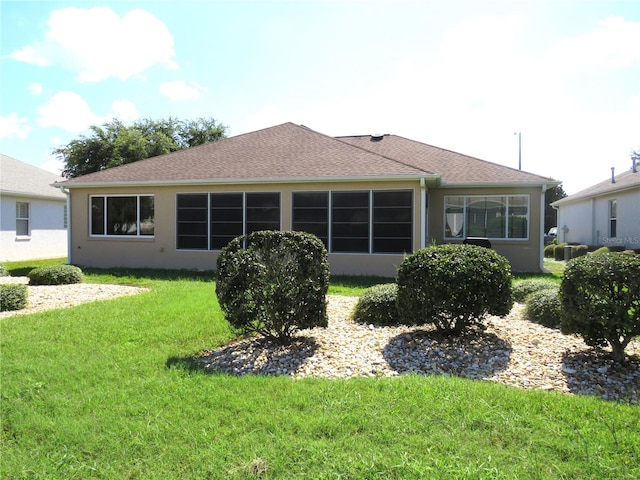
423, 213
541, 235
68, 219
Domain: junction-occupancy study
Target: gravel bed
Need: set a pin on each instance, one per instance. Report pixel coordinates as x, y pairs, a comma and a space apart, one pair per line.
511, 351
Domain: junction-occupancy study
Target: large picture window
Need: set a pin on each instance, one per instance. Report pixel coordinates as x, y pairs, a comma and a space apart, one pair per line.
209, 221
497, 217
122, 215
357, 221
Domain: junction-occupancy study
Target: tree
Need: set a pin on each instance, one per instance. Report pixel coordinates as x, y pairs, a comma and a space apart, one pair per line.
115, 143
550, 213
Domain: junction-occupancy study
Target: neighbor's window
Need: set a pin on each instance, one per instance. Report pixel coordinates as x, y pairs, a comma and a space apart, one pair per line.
357, 221
22, 219
499, 217
209, 221
122, 215
613, 218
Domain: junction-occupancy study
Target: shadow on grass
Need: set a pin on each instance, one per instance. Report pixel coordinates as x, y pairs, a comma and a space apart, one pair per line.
593, 372
476, 355
152, 273
251, 357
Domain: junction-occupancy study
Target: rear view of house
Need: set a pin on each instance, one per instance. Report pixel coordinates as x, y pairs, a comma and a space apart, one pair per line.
370, 199
32, 212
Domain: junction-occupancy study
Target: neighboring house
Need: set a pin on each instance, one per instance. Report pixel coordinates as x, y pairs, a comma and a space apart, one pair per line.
370, 199
32, 212
607, 213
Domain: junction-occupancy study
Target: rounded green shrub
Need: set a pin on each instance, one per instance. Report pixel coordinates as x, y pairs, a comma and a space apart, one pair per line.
600, 299
543, 307
4, 272
548, 250
601, 250
274, 283
453, 286
579, 250
558, 251
13, 296
521, 290
55, 275
377, 305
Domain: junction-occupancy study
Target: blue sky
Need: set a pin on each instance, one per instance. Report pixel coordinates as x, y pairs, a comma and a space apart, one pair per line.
462, 75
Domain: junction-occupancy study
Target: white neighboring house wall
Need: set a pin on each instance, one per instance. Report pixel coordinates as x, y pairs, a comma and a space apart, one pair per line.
585, 217
32, 213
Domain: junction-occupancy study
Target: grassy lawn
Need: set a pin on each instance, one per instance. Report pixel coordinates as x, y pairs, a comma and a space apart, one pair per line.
106, 390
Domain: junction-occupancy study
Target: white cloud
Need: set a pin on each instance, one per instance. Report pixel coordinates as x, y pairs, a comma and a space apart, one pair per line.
181, 90
14, 126
35, 88
99, 44
125, 110
68, 111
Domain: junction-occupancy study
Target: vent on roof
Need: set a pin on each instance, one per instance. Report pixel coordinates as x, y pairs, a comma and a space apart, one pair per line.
613, 174
376, 137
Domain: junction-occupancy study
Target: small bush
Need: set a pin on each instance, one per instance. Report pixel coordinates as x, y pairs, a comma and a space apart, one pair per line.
543, 307
4, 272
548, 250
521, 290
13, 296
377, 305
55, 275
558, 251
453, 287
600, 298
276, 285
600, 250
579, 250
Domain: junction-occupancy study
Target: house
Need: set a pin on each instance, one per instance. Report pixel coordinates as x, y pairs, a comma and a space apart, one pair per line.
607, 213
370, 199
32, 212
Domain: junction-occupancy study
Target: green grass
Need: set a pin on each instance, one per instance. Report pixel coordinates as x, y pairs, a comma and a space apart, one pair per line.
110, 390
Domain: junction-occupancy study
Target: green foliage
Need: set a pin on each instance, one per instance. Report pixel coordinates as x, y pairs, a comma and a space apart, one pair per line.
579, 250
115, 143
558, 251
521, 290
13, 296
453, 286
550, 214
55, 275
377, 305
4, 272
543, 307
549, 249
601, 250
276, 285
600, 298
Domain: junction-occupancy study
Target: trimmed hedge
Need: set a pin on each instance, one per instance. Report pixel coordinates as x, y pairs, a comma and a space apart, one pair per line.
543, 307
453, 286
4, 272
55, 275
276, 285
558, 251
579, 250
521, 290
600, 298
13, 296
548, 250
377, 305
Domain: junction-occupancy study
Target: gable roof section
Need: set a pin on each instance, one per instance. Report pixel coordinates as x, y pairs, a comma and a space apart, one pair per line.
454, 168
24, 180
294, 153
628, 180
285, 152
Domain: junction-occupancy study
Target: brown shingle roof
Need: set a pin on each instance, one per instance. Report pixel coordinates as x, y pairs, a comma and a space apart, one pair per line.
453, 167
290, 152
624, 181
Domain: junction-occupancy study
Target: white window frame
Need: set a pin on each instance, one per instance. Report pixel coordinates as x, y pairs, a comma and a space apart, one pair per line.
20, 218
138, 233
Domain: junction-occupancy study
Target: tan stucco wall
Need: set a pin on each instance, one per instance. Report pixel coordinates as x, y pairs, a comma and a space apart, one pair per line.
160, 251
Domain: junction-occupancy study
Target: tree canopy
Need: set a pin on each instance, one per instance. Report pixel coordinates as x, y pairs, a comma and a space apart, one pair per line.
115, 143
550, 214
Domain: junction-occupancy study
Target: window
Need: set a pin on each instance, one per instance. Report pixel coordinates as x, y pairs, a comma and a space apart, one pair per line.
22, 219
209, 221
311, 214
501, 217
357, 221
122, 215
613, 218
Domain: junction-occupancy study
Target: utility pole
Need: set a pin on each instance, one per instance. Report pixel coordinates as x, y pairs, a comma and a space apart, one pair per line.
519, 149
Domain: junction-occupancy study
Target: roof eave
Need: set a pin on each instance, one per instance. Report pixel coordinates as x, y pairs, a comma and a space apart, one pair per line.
15, 193
244, 181
574, 199
550, 183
